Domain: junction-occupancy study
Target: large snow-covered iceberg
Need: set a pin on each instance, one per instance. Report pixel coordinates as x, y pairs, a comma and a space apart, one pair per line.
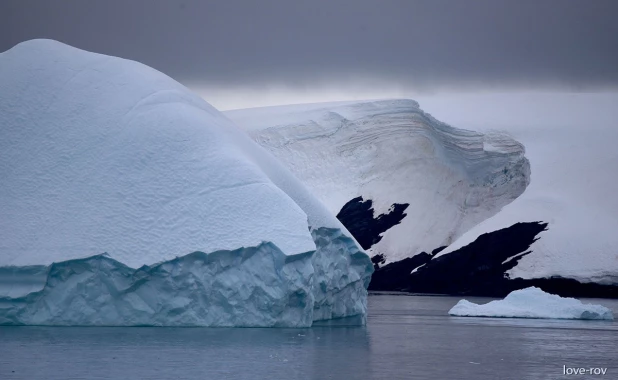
532, 303
199, 225
391, 152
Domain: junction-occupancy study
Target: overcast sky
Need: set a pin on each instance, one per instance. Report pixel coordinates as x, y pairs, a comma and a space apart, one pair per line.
255, 52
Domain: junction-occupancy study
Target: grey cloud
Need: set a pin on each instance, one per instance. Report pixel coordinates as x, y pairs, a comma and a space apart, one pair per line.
420, 44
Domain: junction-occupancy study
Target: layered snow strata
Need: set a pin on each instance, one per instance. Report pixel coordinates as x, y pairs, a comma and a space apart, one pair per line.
532, 303
391, 152
100, 154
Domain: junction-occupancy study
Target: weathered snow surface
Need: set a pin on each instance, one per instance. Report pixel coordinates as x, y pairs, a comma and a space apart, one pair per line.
570, 140
100, 154
390, 151
532, 303
104, 155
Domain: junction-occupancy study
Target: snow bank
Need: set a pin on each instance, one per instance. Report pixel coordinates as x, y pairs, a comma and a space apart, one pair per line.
570, 140
100, 154
390, 152
532, 303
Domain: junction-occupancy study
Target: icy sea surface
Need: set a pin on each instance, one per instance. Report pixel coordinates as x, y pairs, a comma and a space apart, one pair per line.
406, 337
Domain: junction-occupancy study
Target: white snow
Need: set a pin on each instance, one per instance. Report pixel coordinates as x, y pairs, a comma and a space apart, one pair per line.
532, 303
100, 154
391, 154
390, 151
570, 140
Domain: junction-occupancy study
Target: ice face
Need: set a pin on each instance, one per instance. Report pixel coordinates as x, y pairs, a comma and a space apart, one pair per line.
532, 303
248, 287
100, 154
342, 275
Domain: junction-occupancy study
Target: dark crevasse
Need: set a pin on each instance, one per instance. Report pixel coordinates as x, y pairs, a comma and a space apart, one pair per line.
480, 269
358, 217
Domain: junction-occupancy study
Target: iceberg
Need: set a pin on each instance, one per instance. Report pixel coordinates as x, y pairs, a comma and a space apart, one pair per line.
532, 302
128, 200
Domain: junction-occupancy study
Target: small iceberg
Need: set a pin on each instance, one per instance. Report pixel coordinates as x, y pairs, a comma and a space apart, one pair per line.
532, 303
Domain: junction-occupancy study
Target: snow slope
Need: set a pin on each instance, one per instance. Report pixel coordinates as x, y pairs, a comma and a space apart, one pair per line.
532, 303
570, 140
100, 154
390, 151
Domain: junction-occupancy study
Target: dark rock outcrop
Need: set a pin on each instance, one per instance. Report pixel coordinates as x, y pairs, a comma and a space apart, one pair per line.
481, 266
357, 216
396, 276
479, 269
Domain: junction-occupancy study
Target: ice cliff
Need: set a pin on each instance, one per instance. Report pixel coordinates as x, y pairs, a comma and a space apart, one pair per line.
250, 287
200, 225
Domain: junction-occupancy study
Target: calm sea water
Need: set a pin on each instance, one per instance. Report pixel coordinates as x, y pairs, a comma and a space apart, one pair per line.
407, 337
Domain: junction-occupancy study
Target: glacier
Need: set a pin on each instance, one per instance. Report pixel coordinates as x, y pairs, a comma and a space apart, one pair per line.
570, 142
532, 302
512, 158
391, 152
200, 226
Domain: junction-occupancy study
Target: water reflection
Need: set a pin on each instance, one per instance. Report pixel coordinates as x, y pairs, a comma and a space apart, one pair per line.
405, 338
174, 353
417, 339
